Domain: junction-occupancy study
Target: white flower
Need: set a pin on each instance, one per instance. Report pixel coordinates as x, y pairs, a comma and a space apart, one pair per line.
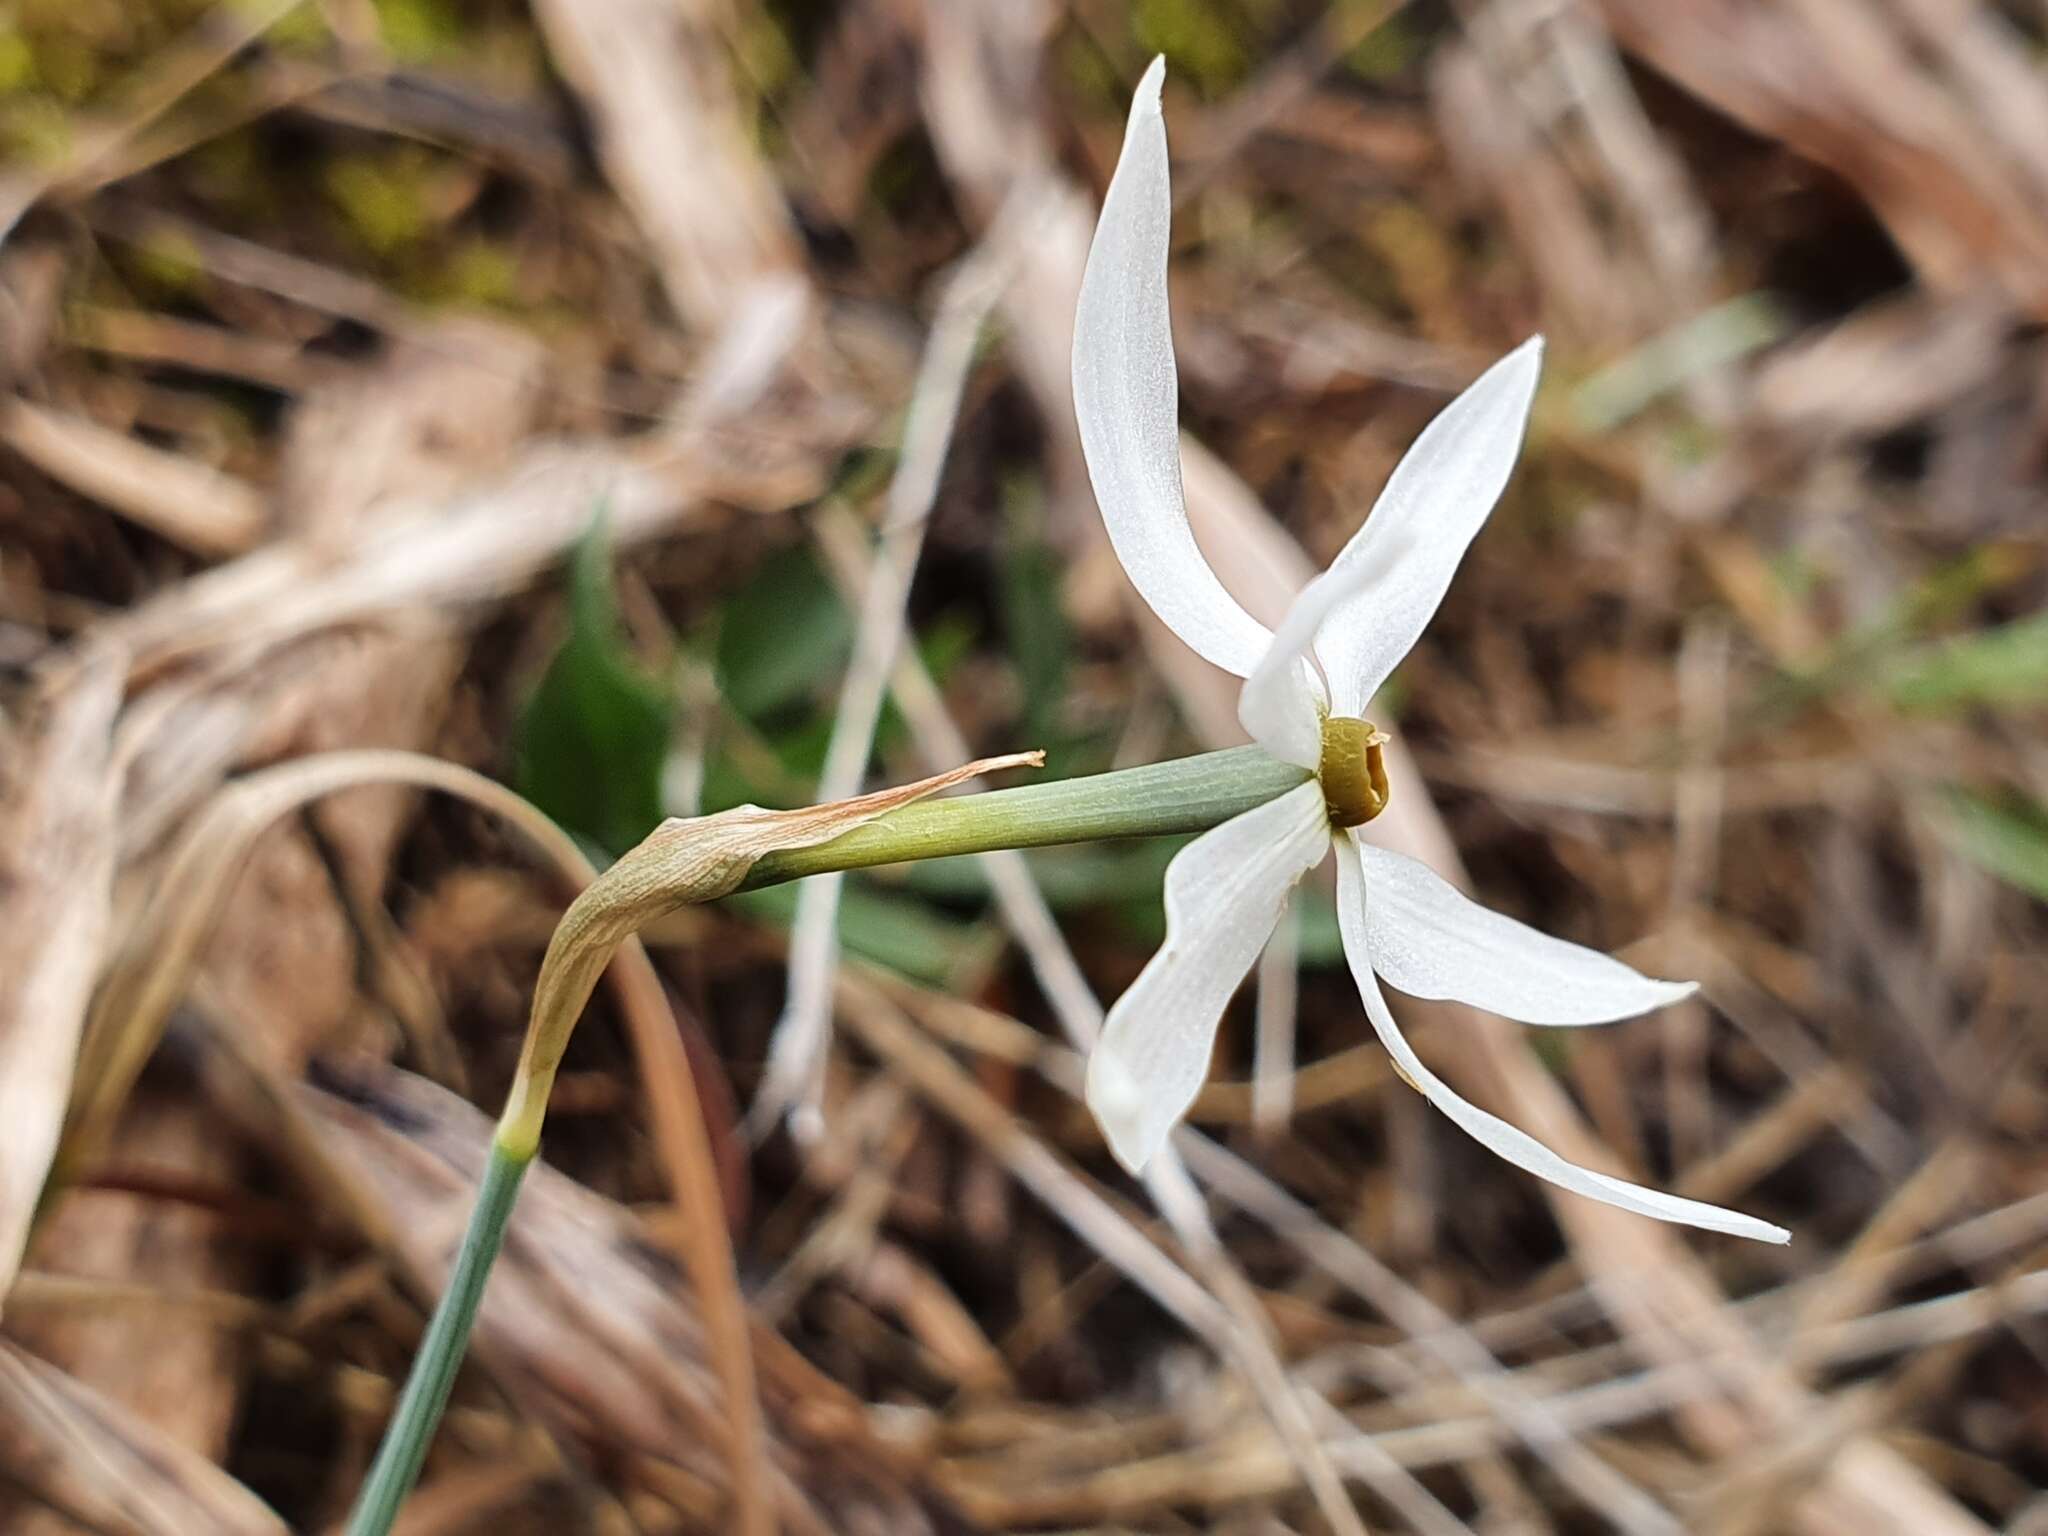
1306, 688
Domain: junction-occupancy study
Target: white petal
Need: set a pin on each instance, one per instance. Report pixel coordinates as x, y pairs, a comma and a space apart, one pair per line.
1438, 498
1224, 895
1282, 702
1127, 401
1430, 940
1281, 705
1519, 1148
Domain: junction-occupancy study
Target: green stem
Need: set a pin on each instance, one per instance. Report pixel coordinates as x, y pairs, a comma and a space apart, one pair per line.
1190, 794
412, 1424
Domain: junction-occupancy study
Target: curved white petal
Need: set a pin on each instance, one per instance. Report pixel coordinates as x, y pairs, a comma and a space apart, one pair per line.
1430, 940
1127, 401
1438, 498
1282, 703
1224, 895
1519, 1148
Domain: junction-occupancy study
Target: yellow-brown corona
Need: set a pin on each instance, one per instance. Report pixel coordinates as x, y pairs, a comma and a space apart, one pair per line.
1353, 771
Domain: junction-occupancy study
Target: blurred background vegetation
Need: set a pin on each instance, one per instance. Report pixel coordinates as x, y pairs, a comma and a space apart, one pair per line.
522, 384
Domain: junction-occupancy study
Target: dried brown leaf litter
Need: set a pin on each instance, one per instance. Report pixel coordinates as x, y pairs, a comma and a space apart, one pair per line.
328, 330
106, 1469
57, 820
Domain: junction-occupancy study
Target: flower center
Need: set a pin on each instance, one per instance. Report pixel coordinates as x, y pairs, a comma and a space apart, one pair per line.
1353, 773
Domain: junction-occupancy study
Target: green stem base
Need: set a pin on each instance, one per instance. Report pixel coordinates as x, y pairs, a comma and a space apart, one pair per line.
412, 1425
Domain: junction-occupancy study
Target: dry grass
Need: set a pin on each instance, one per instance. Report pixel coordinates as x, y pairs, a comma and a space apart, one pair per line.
324, 330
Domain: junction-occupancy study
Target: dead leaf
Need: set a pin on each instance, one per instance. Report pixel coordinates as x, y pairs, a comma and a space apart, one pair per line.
180, 1380
69, 1447
192, 504
651, 74
56, 891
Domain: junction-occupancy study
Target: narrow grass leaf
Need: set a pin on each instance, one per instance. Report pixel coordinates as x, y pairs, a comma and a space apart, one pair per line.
594, 736
2007, 837
2006, 664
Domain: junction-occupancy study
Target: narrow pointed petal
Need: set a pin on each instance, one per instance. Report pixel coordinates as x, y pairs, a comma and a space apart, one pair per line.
1492, 1132
1290, 726
1281, 705
1439, 497
1283, 701
1127, 401
1428, 939
1224, 895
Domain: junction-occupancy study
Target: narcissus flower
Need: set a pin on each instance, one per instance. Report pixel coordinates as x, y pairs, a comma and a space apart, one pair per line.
1305, 693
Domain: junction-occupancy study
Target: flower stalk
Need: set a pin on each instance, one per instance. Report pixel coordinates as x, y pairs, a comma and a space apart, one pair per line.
1189, 794
702, 859
405, 1443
